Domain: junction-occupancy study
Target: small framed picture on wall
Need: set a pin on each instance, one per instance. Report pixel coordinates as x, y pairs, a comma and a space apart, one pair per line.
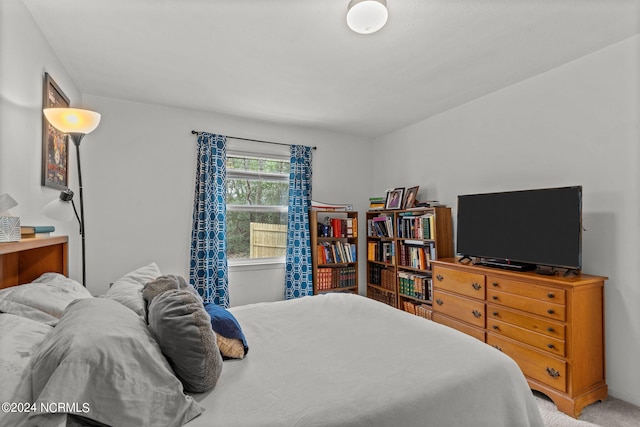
55, 144
394, 198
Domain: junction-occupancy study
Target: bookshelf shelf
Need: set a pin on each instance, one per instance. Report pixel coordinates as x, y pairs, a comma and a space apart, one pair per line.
334, 250
400, 247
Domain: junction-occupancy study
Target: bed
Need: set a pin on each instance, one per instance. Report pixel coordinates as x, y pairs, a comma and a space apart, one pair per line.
326, 360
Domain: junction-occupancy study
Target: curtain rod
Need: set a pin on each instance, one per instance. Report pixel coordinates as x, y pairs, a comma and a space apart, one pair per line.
195, 132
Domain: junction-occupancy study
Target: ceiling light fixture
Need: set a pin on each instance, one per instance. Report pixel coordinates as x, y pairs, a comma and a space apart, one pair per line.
367, 16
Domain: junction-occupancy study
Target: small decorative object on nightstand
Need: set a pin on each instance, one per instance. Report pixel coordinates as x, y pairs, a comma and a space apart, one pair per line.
9, 225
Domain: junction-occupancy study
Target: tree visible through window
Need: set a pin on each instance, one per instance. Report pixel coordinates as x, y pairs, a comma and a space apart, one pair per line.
257, 198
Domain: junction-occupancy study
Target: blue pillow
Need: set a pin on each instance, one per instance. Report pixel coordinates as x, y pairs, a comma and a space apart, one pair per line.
231, 339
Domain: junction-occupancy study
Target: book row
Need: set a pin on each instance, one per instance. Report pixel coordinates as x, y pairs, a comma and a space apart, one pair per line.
337, 252
415, 285
382, 296
380, 226
332, 278
418, 309
338, 227
381, 276
412, 226
409, 225
417, 254
381, 252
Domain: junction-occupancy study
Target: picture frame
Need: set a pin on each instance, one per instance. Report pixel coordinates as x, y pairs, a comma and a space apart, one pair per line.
394, 199
410, 197
55, 144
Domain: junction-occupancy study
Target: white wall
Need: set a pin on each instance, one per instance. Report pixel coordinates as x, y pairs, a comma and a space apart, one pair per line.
25, 55
138, 172
138, 168
576, 124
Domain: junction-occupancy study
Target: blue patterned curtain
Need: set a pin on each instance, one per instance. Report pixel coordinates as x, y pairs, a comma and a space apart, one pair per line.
299, 274
208, 272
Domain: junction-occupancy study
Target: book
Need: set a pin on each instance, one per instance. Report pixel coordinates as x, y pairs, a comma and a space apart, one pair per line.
37, 231
34, 229
330, 206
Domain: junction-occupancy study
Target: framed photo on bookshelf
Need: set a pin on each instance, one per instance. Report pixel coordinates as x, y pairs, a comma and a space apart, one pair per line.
410, 197
55, 144
394, 198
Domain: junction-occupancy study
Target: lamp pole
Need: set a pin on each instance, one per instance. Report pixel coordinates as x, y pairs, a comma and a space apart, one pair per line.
76, 123
77, 138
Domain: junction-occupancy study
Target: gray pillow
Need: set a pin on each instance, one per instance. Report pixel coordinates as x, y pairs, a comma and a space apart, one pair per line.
182, 327
102, 355
165, 283
127, 290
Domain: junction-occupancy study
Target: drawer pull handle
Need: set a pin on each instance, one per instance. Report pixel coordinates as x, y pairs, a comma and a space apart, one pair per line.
495, 297
550, 345
476, 314
496, 327
476, 286
495, 284
440, 278
550, 295
550, 329
550, 311
498, 348
439, 301
552, 372
495, 313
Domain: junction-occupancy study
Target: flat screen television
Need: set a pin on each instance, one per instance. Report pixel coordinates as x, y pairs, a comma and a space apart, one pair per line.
522, 229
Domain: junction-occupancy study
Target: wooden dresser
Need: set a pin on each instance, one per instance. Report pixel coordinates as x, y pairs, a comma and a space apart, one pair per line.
552, 326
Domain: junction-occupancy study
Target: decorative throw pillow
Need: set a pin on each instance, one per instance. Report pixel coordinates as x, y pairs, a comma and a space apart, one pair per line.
103, 356
231, 339
182, 328
127, 290
165, 283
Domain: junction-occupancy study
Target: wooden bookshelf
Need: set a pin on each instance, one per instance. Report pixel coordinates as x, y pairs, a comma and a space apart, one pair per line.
400, 247
334, 251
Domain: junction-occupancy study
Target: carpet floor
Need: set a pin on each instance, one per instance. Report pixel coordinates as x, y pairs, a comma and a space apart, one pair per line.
610, 413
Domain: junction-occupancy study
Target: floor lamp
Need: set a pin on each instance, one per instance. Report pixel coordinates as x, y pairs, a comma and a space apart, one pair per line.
76, 123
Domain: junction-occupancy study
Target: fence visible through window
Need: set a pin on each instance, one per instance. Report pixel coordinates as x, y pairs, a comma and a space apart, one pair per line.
267, 240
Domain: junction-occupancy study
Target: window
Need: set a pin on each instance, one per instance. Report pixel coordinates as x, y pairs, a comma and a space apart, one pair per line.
257, 199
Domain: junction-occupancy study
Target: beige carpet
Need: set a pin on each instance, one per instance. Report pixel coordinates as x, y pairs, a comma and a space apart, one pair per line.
610, 413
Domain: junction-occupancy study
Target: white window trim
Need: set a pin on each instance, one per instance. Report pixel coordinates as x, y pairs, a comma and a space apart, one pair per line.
255, 150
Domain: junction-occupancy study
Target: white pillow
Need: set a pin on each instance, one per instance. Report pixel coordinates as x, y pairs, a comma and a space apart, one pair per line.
127, 290
44, 299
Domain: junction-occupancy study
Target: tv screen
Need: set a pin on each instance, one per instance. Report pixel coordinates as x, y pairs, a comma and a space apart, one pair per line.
538, 227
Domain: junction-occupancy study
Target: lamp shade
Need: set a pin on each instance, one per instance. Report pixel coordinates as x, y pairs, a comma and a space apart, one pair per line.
59, 210
72, 120
367, 16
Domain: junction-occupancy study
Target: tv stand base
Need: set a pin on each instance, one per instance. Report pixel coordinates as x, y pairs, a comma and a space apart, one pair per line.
505, 264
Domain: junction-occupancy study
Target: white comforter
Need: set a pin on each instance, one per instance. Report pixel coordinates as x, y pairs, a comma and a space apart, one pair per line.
345, 360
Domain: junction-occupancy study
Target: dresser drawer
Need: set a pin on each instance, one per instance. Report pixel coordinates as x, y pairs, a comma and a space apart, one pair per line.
466, 309
535, 324
534, 364
542, 293
542, 308
460, 282
462, 327
542, 342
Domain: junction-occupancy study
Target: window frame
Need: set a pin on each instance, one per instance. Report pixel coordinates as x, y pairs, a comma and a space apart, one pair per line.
237, 148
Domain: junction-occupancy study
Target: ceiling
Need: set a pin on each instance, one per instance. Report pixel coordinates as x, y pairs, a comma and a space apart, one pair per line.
296, 62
